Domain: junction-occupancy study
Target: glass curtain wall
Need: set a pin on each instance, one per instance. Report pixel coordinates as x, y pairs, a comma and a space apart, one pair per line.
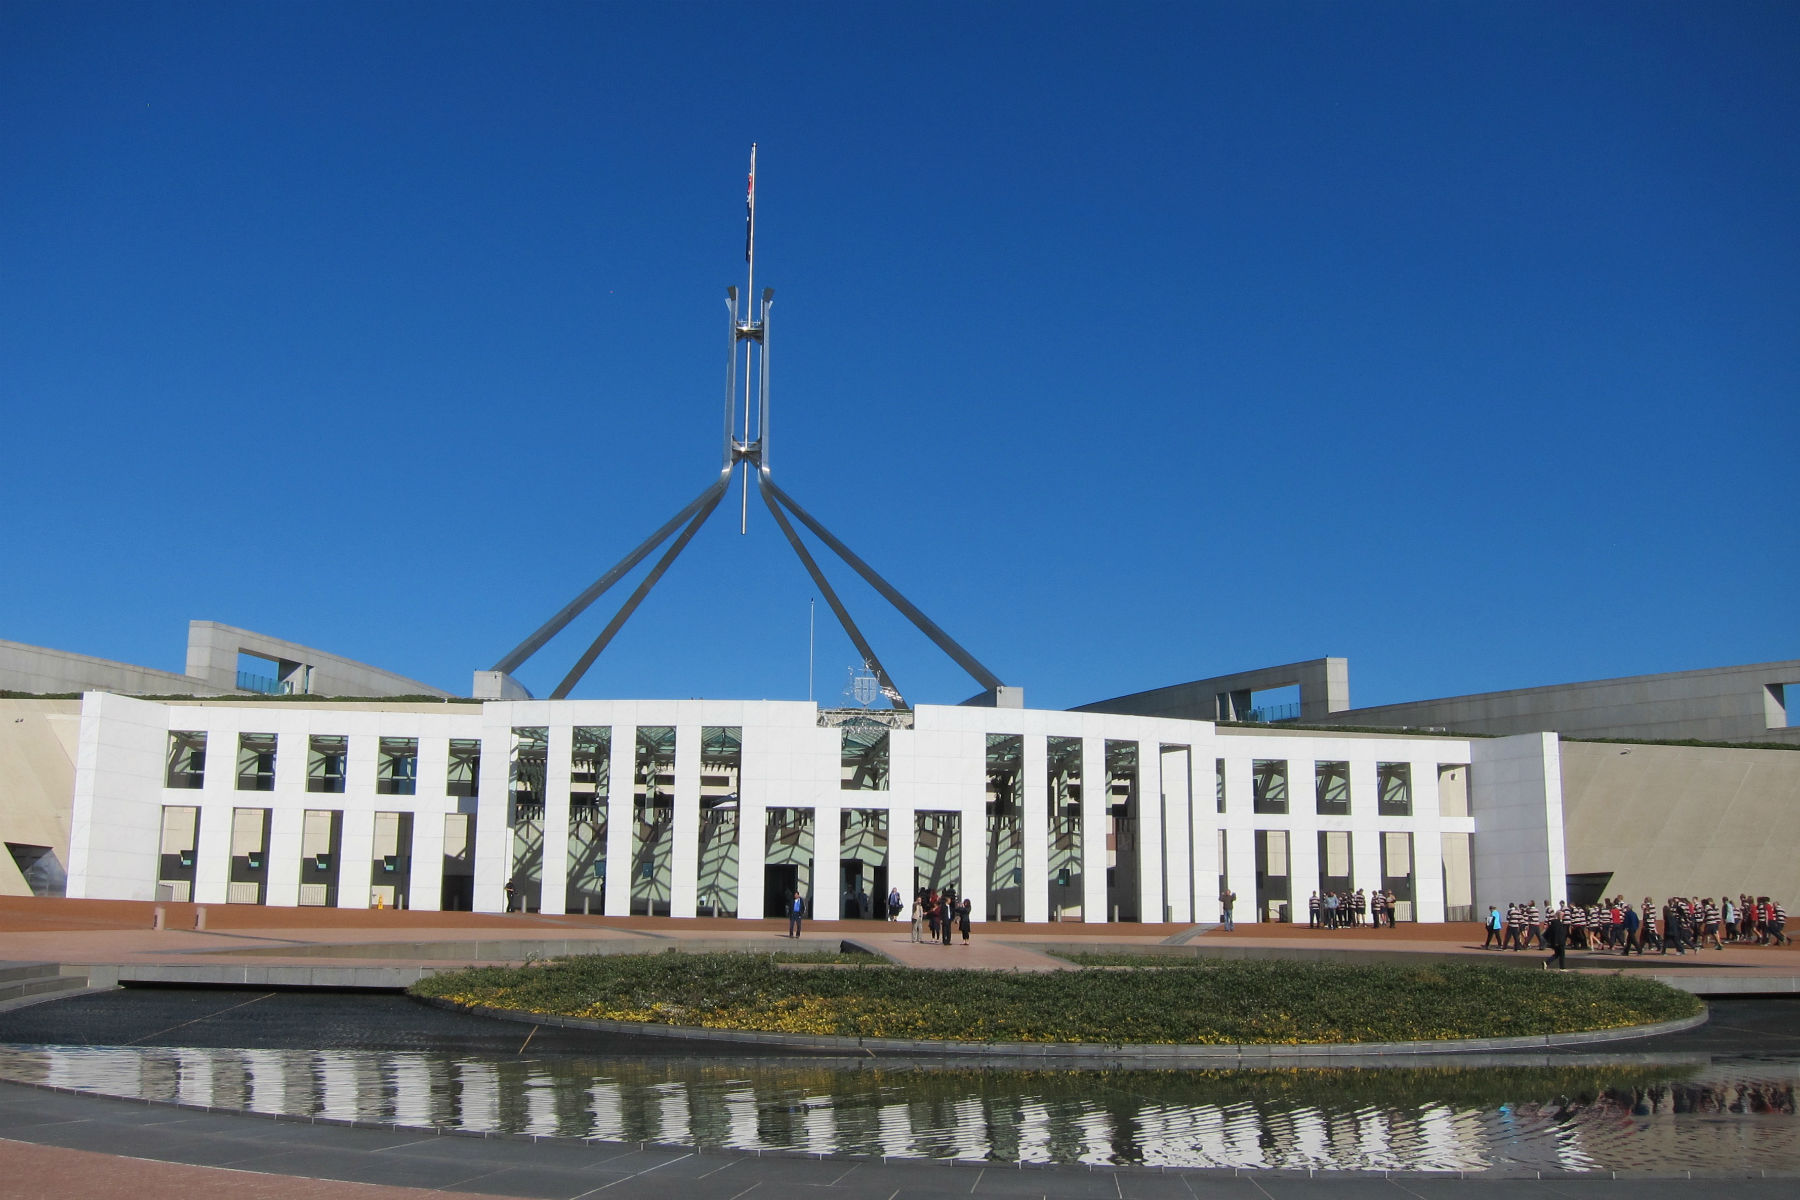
721, 770
653, 827
1122, 842
937, 851
1062, 764
1005, 826
862, 863
525, 815
788, 861
590, 775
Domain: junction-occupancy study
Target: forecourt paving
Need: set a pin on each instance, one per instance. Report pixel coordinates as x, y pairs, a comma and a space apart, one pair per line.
244, 944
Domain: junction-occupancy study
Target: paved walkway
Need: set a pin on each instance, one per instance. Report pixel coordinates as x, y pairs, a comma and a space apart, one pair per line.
119, 932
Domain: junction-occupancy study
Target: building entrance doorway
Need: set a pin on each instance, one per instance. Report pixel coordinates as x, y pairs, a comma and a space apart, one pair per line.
864, 890
780, 882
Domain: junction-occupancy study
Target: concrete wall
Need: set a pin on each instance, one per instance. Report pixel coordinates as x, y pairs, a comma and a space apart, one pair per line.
37, 777
212, 665
1324, 689
1726, 704
1684, 820
1516, 797
40, 671
115, 835
213, 650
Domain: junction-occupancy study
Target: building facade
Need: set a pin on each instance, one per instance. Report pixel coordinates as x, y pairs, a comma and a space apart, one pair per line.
690, 808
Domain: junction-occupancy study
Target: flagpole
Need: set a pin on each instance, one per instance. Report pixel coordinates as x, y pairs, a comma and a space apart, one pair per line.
749, 315
811, 604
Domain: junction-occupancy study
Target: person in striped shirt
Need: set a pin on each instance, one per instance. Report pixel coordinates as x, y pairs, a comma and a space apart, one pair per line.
1709, 923
1647, 925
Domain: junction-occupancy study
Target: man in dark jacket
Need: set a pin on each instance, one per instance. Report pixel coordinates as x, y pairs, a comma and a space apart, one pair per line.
1631, 931
1557, 935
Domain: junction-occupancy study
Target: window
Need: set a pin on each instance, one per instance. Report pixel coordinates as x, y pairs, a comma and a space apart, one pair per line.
256, 762
464, 775
397, 767
187, 760
1331, 788
865, 756
326, 756
530, 758
1269, 779
1394, 784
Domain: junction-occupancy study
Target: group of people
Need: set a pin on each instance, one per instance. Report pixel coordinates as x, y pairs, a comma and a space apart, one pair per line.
1347, 910
936, 915
1680, 923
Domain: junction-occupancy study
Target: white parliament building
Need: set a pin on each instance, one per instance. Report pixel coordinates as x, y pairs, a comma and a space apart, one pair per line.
685, 808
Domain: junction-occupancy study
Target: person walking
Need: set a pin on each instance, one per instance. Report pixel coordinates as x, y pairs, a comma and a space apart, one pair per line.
1557, 935
918, 919
963, 917
1630, 921
1674, 931
1226, 899
1492, 924
1515, 927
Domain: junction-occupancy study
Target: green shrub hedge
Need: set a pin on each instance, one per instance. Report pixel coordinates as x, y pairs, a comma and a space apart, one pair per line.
1202, 1003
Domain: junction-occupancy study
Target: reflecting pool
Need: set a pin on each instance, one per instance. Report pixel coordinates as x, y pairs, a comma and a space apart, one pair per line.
1698, 1113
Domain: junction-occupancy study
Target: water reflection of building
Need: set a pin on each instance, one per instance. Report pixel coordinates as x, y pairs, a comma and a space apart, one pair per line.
1732, 1115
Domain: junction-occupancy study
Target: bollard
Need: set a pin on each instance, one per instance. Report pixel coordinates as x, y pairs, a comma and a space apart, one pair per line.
161, 915
584, 906
200, 918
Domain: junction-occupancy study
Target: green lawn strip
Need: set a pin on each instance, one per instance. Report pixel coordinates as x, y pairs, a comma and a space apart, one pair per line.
1231, 1002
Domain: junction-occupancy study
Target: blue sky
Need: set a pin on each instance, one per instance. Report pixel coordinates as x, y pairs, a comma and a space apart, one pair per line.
1134, 342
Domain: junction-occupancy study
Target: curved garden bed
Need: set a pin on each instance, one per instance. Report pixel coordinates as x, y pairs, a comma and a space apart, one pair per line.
1237, 1003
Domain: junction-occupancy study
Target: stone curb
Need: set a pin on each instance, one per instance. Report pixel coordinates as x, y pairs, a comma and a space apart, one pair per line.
1247, 1055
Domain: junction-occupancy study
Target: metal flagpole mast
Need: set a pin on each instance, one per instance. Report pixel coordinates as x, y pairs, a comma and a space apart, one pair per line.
749, 315
746, 435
